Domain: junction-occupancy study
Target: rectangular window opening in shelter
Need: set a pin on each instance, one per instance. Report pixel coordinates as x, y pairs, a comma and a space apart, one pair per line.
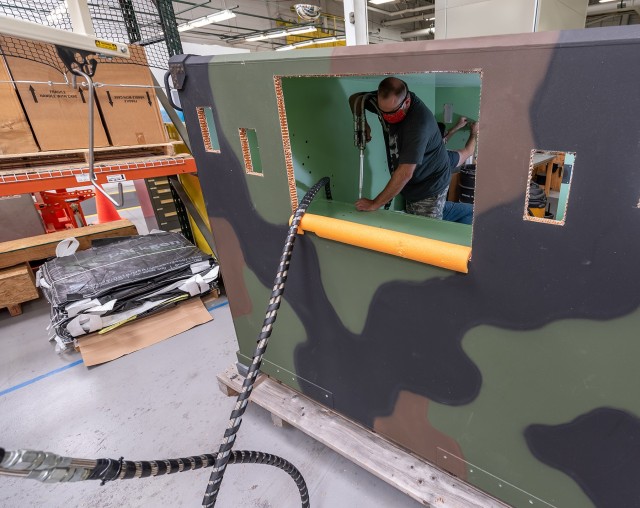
208, 129
318, 132
250, 151
548, 186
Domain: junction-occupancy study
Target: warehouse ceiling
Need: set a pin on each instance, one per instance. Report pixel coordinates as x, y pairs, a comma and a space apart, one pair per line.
141, 20
388, 22
256, 16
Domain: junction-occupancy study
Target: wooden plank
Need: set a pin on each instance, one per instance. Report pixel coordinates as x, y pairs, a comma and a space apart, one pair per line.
43, 246
17, 285
420, 480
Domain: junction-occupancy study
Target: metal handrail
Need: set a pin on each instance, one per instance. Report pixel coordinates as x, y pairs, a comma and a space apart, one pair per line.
92, 175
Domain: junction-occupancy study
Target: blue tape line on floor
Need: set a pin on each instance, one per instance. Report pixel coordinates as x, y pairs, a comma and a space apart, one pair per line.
218, 306
31, 381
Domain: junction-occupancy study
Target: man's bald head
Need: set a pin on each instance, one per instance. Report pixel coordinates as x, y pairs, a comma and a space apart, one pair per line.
391, 87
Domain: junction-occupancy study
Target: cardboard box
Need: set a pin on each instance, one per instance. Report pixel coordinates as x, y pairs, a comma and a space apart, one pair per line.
15, 133
57, 113
131, 114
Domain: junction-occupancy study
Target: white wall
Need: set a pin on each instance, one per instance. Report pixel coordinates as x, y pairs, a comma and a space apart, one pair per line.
561, 15
199, 49
469, 18
210, 49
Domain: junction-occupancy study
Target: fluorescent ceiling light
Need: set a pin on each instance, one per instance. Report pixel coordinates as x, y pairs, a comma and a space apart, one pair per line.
216, 17
282, 33
378, 2
605, 1
310, 42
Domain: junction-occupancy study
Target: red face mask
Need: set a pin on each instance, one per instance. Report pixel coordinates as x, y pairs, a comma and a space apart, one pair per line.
398, 114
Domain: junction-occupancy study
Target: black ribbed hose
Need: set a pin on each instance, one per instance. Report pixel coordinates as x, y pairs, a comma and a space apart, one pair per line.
51, 468
215, 480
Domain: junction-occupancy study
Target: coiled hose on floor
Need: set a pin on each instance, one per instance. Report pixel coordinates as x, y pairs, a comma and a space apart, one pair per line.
51, 468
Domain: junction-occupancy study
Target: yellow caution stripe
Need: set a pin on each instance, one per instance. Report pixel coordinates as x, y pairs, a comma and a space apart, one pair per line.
424, 250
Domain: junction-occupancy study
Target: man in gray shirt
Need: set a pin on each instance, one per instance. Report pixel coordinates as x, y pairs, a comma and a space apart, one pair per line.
418, 160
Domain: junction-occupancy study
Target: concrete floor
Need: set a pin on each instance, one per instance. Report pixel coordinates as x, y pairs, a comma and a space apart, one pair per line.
160, 402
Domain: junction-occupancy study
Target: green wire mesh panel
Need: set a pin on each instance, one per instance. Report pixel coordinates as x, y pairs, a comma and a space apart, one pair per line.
148, 23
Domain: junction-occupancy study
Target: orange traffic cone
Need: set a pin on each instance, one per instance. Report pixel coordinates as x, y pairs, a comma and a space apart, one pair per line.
106, 211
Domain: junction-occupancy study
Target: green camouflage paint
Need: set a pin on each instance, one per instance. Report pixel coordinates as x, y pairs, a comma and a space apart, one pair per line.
518, 376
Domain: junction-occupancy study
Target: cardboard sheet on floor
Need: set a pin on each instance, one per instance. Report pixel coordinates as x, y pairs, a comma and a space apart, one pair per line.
96, 349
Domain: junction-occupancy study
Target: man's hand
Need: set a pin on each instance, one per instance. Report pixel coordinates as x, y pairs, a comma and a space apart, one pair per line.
461, 123
474, 128
366, 205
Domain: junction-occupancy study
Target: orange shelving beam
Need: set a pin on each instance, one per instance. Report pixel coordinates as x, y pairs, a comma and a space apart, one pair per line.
58, 177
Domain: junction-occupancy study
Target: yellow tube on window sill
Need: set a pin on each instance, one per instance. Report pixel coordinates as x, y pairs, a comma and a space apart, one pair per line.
424, 250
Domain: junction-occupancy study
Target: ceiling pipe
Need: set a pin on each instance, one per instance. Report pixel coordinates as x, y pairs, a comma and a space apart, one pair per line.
611, 7
410, 19
417, 33
405, 11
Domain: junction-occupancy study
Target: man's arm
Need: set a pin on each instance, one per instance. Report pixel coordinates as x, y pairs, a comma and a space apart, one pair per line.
352, 104
461, 123
470, 147
396, 183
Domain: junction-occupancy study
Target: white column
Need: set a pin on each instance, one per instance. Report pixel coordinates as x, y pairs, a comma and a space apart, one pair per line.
80, 17
356, 22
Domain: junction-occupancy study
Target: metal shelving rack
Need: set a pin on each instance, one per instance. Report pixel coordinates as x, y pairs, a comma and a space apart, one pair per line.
149, 23
58, 177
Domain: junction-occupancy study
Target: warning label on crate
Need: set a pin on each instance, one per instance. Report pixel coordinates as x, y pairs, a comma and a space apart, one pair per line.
53, 93
116, 178
82, 178
131, 98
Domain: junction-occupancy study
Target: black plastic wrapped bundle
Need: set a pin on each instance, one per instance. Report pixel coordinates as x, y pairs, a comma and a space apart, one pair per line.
128, 278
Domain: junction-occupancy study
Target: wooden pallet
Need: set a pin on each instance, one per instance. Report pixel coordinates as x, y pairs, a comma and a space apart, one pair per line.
13, 162
418, 479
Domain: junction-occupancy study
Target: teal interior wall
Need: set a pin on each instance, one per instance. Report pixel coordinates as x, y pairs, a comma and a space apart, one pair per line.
320, 127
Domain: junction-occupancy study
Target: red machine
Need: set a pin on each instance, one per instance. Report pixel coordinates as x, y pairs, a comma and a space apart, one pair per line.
60, 209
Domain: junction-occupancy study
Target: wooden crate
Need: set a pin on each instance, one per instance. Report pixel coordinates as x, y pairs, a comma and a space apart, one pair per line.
131, 114
58, 113
17, 285
15, 132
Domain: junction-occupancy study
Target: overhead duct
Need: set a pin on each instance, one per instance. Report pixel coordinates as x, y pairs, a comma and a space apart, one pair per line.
417, 33
400, 13
411, 19
614, 7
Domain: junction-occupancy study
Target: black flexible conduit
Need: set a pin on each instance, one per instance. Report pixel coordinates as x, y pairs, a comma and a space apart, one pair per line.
213, 487
50, 468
